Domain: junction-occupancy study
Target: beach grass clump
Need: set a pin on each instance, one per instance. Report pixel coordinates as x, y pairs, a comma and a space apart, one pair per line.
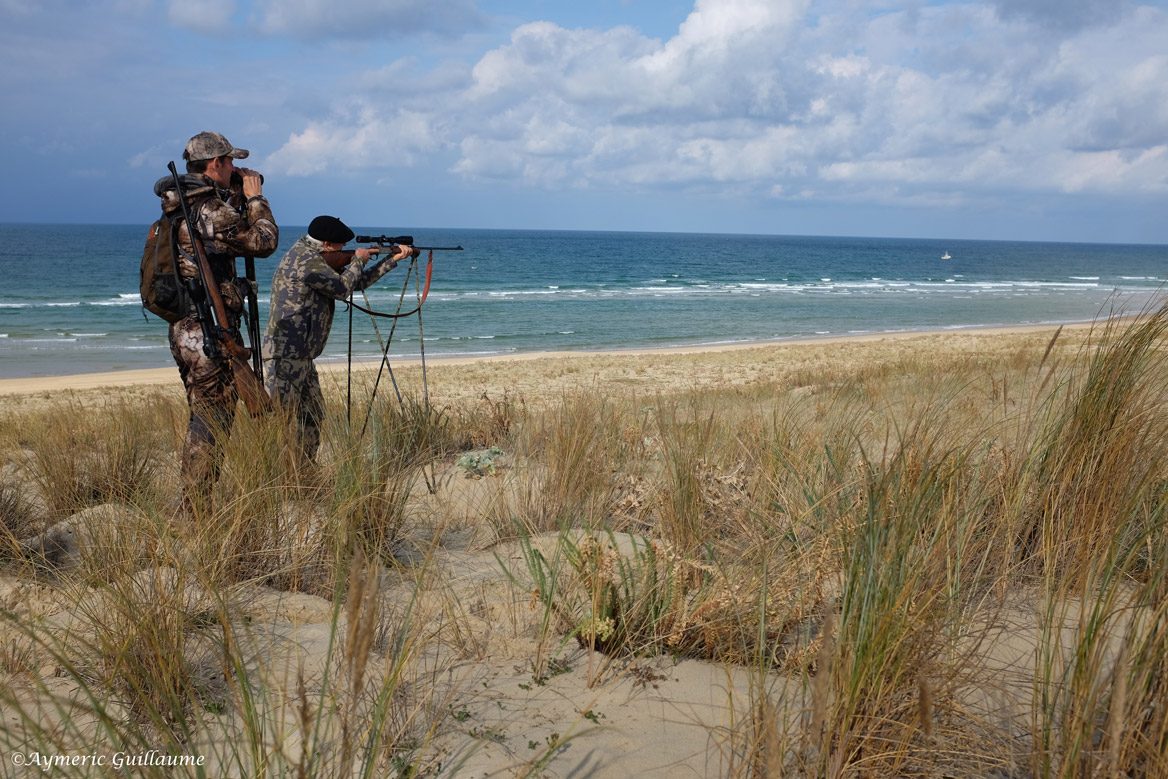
375, 471
630, 596
614, 595
413, 426
807, 480
17, 520
292, 522
1098, 694
903, 634
580, 445
134, 669
80, 458
1137, 717
691, 515
488, 421
159, 664
149, 646
1107, 426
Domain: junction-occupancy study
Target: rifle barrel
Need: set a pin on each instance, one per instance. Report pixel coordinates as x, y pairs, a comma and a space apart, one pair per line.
403, 240
208, 316
253, 320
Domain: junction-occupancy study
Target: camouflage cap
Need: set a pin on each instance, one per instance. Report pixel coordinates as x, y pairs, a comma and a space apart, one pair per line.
208, 146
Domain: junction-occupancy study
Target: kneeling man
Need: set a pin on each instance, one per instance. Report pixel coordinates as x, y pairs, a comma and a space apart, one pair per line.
305, 289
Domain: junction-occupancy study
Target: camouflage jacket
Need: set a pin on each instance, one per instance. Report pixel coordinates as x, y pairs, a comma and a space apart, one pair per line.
229, 228
304, 294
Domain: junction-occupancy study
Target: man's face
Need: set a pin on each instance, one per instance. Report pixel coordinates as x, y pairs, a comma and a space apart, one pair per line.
220, 169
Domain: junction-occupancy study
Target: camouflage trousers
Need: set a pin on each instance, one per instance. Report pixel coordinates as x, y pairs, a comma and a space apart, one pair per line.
211, 396
295, 387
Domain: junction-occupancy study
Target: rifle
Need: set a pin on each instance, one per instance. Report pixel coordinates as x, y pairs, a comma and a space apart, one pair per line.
339, 259
253, 320
253, 306
217, 336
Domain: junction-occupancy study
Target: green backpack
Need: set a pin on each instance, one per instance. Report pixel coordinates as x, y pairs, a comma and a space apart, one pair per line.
163, 292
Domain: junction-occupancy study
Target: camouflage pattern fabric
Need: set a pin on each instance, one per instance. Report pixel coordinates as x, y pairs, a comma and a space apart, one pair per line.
295, 386
209, 145
229, 228
304, 294
211, 396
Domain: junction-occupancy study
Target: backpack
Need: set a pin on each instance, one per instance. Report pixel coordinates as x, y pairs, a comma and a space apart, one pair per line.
163, 292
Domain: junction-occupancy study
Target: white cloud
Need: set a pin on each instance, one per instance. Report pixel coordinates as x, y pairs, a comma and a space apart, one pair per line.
1113, 172
790, 98
370, 142
716, 28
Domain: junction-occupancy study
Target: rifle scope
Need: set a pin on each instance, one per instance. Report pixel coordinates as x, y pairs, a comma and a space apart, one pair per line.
400, 240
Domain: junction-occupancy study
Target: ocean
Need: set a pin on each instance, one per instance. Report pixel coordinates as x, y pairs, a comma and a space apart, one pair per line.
69, 301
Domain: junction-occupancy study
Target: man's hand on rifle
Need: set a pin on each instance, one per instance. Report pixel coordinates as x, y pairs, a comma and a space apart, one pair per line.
404, 252
401, 252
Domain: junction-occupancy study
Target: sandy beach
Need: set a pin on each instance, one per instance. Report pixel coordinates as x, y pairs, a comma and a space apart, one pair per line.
496, 693
532, 372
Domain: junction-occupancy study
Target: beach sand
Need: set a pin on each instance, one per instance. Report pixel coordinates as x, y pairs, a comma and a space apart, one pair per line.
549, 374
652, 717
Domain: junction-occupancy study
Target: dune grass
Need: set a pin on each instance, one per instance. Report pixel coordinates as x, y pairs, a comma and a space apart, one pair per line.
868, 535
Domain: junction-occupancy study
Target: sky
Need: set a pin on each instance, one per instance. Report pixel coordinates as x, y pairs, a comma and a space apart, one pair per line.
993, 119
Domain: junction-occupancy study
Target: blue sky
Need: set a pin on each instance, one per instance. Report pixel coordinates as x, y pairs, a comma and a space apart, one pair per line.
999, 119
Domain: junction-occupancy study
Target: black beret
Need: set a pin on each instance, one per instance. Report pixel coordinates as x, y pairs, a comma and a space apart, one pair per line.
330, 230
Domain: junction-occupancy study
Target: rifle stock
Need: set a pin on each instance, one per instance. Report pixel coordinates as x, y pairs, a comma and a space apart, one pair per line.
250, 390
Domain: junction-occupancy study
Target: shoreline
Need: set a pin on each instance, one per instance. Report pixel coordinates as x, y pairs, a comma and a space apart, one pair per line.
169, 375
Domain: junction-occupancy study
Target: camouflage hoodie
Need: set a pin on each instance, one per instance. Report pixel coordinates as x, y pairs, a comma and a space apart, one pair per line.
229, 228
304, 294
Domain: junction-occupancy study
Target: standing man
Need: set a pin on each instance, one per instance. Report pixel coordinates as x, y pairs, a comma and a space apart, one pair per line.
231, 218
305, 289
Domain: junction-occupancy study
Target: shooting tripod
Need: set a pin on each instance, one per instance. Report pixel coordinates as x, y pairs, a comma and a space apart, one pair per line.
421, 292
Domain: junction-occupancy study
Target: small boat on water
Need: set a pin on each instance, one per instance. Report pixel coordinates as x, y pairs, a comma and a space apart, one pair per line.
946, 256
